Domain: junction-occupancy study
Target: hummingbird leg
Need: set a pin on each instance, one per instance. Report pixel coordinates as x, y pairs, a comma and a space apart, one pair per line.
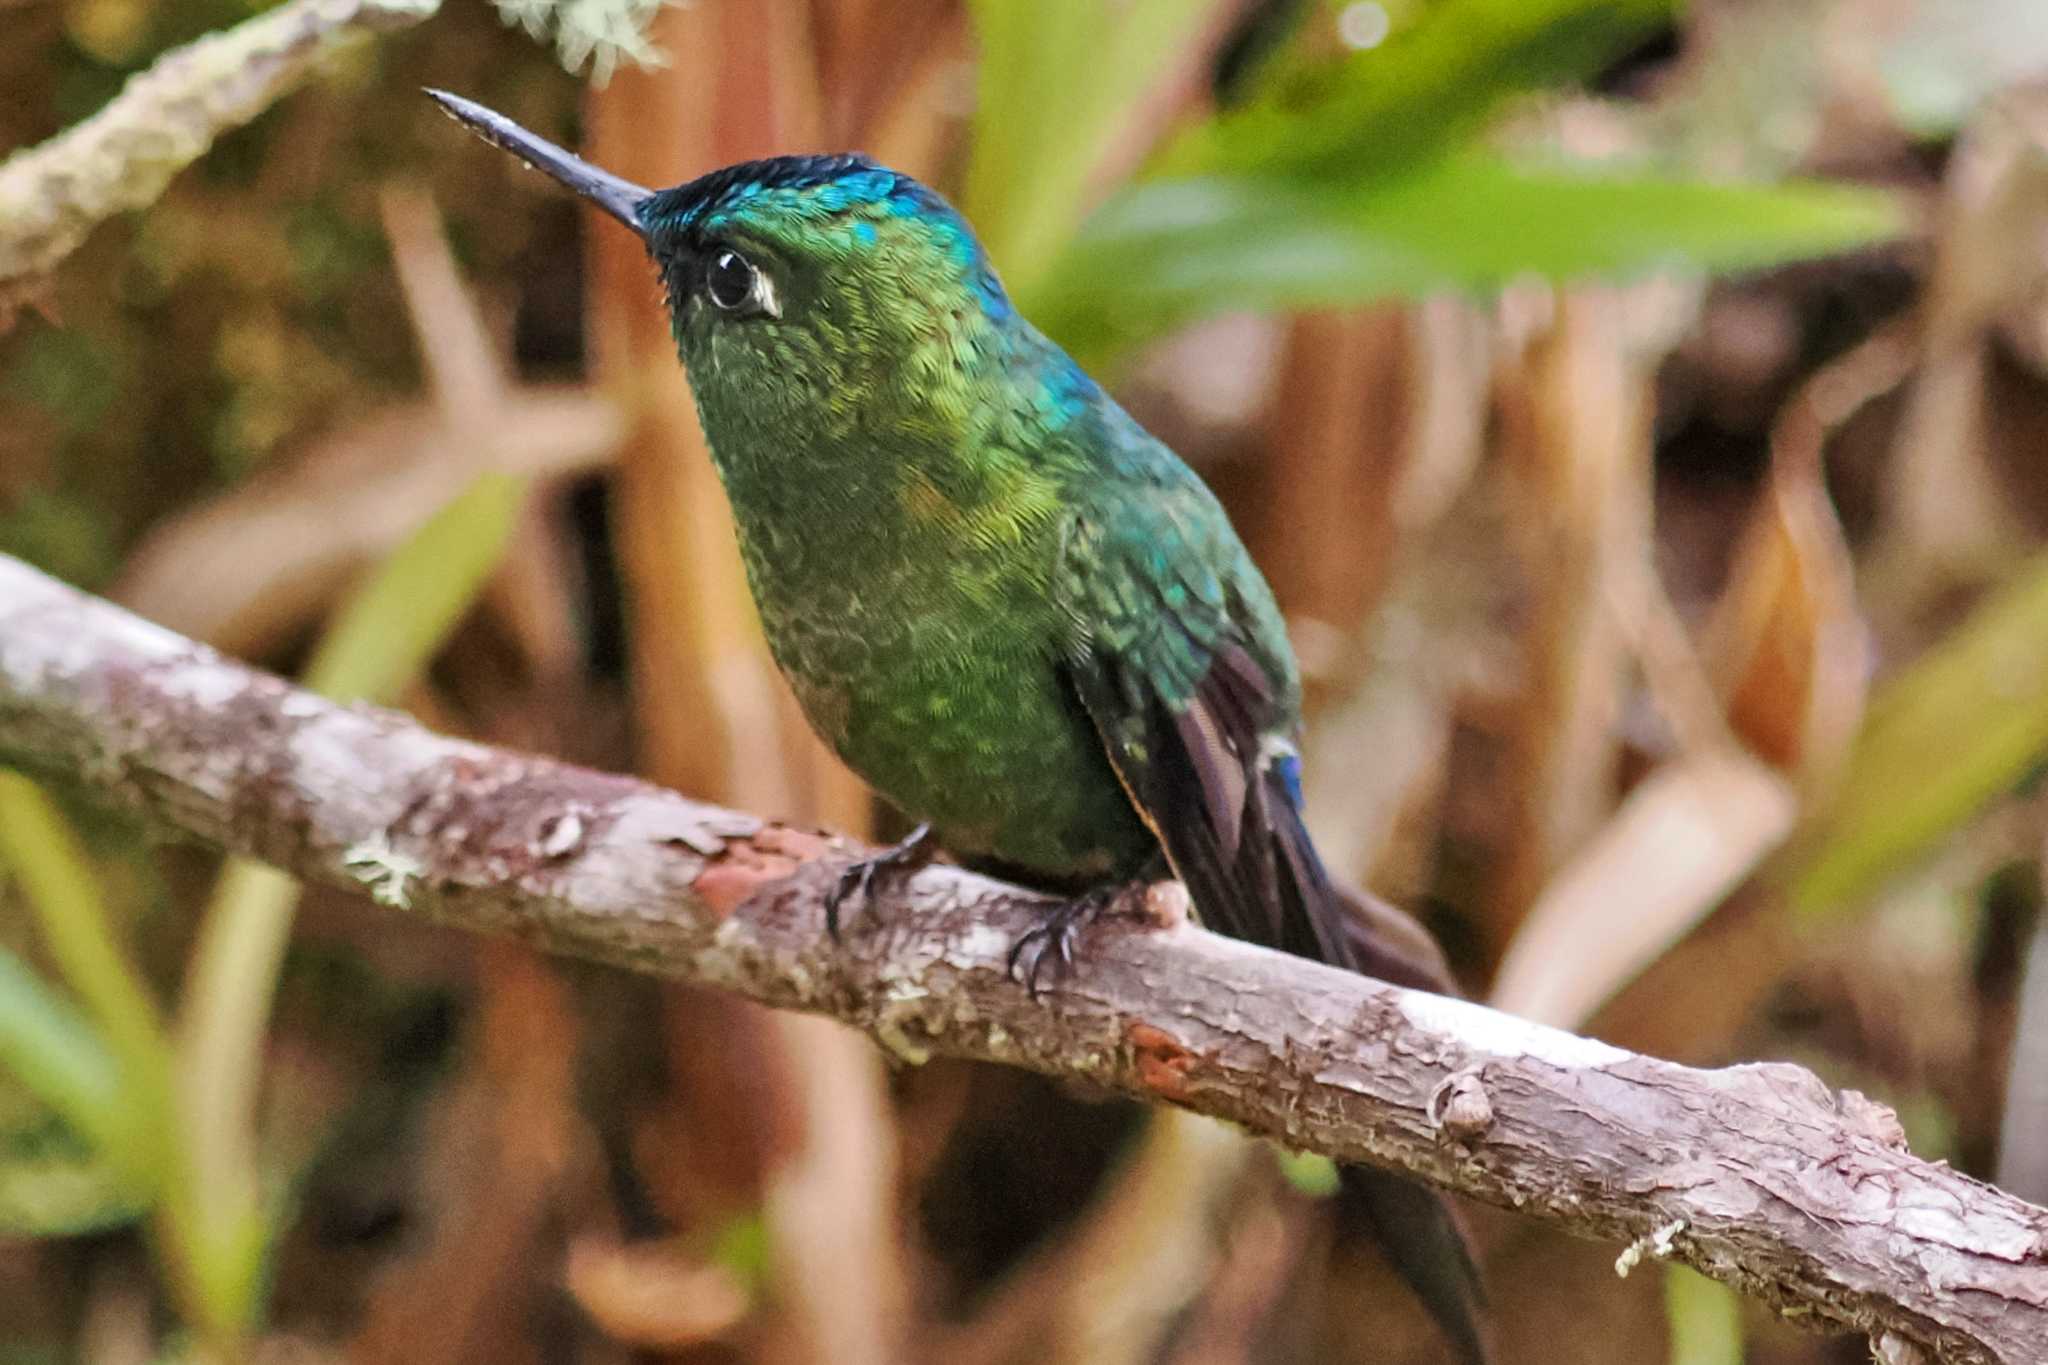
1053, 939
913, 851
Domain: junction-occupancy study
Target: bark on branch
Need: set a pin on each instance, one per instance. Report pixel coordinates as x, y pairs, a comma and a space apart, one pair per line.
1757, 1175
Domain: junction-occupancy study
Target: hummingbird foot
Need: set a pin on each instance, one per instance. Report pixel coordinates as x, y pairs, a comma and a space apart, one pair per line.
857, 882
1053, 940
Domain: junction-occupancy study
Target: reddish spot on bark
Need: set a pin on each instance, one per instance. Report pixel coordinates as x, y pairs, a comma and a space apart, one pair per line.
736, 874
745, 866
1163, 1064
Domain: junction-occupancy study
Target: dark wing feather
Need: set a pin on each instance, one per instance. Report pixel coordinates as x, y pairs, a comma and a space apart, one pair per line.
1203, 776
1167, 663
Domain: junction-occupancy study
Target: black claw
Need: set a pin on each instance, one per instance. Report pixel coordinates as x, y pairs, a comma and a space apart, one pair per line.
1034, 944
1056, 935
857, 880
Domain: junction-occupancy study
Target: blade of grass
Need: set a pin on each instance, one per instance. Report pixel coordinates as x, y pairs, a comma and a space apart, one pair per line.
1964, 724
54, 1182
38, 846
1032, 157
379, 641
388, 630
57, 878
1705, 1317
47, 1044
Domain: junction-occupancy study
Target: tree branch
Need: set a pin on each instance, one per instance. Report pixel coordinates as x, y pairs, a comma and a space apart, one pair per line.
1757, 1175
53, 194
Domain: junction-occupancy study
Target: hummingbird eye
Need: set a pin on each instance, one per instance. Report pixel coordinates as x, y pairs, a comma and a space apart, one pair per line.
730, 280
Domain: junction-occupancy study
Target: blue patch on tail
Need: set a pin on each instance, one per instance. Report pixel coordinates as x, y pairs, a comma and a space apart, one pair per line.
1288, 767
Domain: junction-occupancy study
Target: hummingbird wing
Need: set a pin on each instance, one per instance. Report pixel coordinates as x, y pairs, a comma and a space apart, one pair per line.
1193, 721
1180, 660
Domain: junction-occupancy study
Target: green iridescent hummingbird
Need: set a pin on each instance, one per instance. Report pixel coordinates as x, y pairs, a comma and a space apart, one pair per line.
1003, 602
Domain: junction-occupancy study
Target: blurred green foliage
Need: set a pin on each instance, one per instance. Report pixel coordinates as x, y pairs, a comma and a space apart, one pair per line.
389, 630
253, 307
53, 1182
1963, 724
1434, 83
1028, 176
69, 1160
1706, 1319
1341, 179
51, 874
183, 1136
1168, 252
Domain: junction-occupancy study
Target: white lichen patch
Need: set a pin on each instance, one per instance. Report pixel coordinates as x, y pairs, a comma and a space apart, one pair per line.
297, 705
38, 654
1659, 1244
984, 943
385, 872
720, 962
211, 685
1480, 1029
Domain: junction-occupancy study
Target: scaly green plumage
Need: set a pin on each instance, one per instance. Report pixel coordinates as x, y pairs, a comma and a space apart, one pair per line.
922, 604
1005, 604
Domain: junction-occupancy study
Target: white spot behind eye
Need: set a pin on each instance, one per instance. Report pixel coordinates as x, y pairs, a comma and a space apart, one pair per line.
764, 293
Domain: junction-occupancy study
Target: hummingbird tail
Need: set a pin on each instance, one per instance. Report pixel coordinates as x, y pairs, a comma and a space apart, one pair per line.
1417, 1229
1355, 928
1421, 1237
1225, 801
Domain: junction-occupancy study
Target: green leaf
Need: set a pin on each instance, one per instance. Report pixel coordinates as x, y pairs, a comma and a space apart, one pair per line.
50, 1048
1310, 1172
1965, 724
1033, 152
1168, 252
1705, 1317
39, 849
399, 617
742, 1247
53, 1183
1420, 94
61, 534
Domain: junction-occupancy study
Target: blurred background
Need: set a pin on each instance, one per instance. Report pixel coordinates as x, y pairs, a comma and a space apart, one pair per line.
1641, 413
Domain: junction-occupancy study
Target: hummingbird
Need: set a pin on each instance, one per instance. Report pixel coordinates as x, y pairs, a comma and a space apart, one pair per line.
1006, 605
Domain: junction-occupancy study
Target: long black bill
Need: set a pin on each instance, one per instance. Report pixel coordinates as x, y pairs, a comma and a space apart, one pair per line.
617, 197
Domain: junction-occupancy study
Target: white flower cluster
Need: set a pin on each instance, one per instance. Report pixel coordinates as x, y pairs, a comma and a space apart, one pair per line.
601, 32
